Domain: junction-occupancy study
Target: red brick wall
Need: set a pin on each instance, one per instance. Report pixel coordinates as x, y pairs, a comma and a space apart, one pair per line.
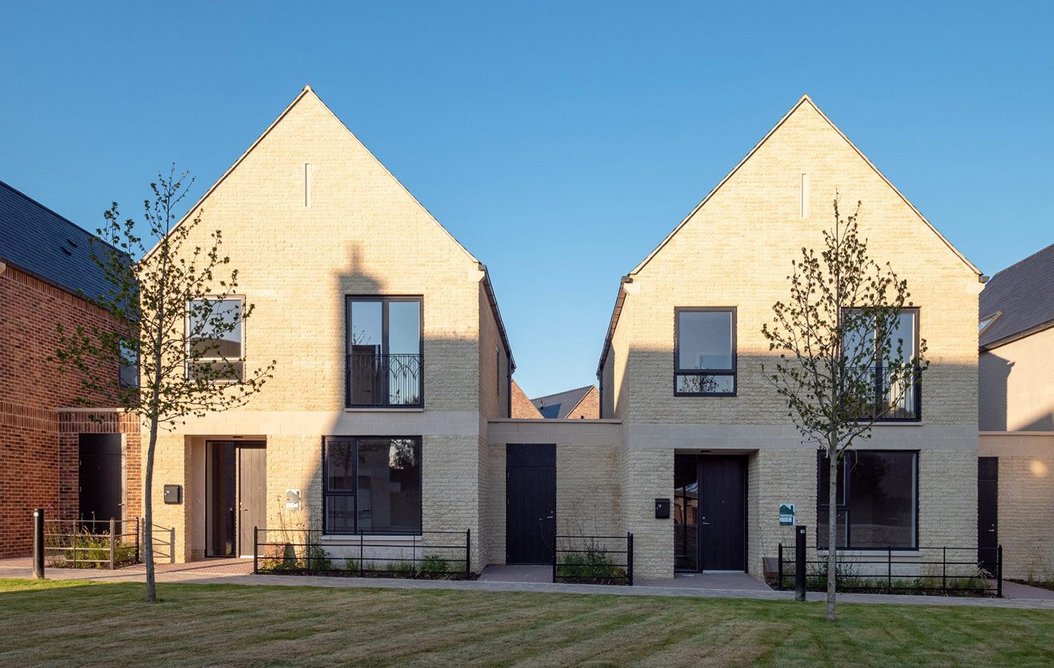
588, 408
35, 463
521, 405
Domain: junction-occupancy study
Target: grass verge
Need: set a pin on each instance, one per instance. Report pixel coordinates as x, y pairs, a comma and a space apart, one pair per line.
89, 623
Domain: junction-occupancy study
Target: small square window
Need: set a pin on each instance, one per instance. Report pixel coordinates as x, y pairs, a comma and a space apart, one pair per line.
705, 352
215, 339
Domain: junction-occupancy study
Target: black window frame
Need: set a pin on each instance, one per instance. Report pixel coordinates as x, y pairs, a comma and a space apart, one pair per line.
677, 371
237, 364
327, 493
385, 300
844, 495
878, 390
125, 361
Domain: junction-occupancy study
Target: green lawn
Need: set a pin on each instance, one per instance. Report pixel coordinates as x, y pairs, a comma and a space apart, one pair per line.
82, 623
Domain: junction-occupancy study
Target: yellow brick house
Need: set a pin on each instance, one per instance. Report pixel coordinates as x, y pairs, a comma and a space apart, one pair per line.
390, 349
725, 450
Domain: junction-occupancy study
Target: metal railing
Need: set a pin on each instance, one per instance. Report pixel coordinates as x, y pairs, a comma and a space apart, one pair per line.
373, 379
944, 570
885, 385
593, 559
428, 555
91, 543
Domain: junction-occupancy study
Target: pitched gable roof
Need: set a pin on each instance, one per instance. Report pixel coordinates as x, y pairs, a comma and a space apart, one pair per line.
308, 93
558, 406
40, 242
522, 408
1022, 295
804, 101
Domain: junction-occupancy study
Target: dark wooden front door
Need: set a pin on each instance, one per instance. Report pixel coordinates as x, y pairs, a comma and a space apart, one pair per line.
530, 503
722, 513
987, 512
252, 494
99, 479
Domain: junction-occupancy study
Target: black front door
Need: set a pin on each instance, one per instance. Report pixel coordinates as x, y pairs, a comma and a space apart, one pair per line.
710, 513
530, 503
252, 494
99, 479
987, 512
235, 496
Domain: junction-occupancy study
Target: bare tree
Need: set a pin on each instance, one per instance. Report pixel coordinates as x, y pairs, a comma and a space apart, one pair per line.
181, 321
843, 360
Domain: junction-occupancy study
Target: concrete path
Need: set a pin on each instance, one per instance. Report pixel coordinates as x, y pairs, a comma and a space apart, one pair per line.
236, 571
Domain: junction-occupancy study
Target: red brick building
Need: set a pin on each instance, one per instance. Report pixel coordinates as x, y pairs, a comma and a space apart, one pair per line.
73, 460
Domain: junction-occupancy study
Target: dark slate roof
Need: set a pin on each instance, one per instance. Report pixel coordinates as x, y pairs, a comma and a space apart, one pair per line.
1023, 295
557, 406
42, 243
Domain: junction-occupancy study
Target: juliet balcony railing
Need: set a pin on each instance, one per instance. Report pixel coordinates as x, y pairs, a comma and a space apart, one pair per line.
891, 396
384, 381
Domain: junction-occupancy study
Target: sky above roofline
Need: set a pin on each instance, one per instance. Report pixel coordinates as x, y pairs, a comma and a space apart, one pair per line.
559, 142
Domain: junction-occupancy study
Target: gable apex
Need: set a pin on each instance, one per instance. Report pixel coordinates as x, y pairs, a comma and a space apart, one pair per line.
307, 92
803, 101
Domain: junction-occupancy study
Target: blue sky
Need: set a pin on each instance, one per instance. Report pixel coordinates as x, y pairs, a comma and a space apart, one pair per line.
560, 142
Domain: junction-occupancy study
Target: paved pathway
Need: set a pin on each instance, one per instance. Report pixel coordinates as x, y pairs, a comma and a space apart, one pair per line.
237, 571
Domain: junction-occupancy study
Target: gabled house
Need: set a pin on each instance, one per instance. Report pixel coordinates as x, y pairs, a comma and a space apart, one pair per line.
681, 368
390, 349
1016, 413
67, 453
522, 407
582, 403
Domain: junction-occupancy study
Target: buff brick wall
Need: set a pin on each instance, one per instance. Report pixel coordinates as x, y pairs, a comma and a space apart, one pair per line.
736, 251
35, 460
1025, 494
363, 234
644, 475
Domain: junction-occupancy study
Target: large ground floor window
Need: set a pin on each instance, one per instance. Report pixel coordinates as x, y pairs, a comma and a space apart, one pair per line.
877, 500
371, 485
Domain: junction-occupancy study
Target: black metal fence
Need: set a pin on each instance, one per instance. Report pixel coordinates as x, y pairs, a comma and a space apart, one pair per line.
593, 559
431, 555
926, 570
91, 543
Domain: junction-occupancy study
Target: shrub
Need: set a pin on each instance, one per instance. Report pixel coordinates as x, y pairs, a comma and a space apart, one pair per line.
591, 565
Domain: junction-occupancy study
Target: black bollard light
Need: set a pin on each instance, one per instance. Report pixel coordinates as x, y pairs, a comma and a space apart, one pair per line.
799, 563
38, 544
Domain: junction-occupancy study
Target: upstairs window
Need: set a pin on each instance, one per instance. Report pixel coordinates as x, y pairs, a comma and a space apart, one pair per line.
384, 352
894, 392
705, 352
216, 339
129, 374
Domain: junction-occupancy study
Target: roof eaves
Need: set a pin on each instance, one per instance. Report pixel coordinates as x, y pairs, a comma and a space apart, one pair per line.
1017, 336
488, 287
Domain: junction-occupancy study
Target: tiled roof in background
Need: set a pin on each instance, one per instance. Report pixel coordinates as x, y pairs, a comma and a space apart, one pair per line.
39, 241
1023, 297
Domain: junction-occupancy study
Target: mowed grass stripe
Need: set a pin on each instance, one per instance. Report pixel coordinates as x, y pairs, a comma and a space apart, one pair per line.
80, 623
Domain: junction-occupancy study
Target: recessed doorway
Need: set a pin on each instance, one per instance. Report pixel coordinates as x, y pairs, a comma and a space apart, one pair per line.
235, 496
710, 512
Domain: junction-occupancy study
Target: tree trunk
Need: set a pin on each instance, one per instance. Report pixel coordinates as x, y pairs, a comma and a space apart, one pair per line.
832, 532
148, 514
